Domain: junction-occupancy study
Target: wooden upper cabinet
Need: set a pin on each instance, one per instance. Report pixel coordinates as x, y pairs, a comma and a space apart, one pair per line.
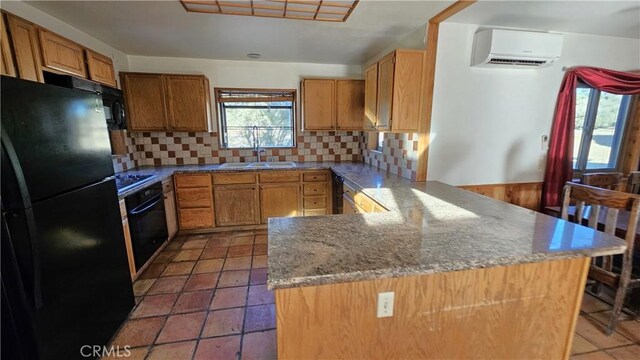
319, 104
398, 93
24, 38
167, 102
236, 204
101, 68
370, 97
145, 100
188, 102
61, 54
349, 104
407, 90
280, 200
7, 66
385, 92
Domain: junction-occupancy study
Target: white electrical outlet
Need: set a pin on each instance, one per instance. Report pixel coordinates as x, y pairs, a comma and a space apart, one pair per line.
385, 304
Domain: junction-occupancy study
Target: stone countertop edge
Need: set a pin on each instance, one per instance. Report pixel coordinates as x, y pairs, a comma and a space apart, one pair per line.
388, 273
162, 172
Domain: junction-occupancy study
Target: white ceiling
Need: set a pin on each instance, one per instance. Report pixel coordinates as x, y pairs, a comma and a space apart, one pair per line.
606, 17
164, 28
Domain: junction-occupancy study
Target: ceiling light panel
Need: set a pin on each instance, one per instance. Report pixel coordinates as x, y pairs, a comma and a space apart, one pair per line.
319, 10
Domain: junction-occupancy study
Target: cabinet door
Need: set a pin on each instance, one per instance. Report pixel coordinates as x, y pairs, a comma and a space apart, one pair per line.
385, 92
407, 90
282, 200
25, 48
6, 61
350, 104
170, 213
145, 100
101, 68
370, 97
187, 102
236, 205
319, 104
62, 54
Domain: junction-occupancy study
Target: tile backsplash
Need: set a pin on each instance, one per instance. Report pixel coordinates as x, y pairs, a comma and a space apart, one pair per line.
399, 154
179, 148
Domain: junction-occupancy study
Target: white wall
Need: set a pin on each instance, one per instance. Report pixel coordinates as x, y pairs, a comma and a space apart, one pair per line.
244, 74
38, 17
487, 123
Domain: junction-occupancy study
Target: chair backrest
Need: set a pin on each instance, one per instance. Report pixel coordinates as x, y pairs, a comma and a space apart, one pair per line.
592, 203
611, 181
633, 182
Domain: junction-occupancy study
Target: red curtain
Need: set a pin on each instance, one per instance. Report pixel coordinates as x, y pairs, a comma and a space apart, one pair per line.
559, 159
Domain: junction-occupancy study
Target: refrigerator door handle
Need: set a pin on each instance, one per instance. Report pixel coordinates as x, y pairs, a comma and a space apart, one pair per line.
29, 222
29, 218
17, 169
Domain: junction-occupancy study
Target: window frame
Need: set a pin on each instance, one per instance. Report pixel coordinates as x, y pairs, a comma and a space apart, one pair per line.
620, 136
221, 115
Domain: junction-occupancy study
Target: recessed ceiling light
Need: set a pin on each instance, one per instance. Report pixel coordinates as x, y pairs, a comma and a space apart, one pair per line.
253, 56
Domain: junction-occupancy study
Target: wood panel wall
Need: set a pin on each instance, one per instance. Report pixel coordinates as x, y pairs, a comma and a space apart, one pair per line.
525, 311
527, 195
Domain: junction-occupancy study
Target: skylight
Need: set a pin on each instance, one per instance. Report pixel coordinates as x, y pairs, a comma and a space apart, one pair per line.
318, 10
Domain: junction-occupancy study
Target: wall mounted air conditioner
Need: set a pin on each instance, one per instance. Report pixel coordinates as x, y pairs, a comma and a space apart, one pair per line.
515, 48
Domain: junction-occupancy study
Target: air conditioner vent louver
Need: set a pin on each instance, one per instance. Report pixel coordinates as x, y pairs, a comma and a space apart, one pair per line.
512, 49
517, 62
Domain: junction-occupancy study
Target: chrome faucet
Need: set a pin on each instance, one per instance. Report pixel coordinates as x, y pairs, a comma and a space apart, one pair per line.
256, 142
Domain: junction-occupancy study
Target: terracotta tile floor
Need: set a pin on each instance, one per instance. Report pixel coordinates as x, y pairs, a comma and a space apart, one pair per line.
205, 297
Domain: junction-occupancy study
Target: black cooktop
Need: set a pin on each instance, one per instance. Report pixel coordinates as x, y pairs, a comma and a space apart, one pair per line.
124, 182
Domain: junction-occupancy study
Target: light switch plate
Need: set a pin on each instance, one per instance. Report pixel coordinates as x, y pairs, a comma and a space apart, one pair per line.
385, 304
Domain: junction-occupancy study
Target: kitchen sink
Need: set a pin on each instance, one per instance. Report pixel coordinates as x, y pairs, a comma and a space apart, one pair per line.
259, 165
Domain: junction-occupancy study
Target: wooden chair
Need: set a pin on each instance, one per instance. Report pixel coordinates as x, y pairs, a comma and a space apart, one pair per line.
633, 182
611, 181
595, 204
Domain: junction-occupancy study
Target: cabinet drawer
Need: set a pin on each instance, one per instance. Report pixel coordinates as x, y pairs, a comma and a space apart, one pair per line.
314, 189
315, 202
363, 202
194, 198
190, 181
314, 177
315, 212
195, 218
278, 177
348, 192
167, 186
238, 178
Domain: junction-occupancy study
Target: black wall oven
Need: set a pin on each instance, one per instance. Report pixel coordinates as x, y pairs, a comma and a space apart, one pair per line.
145, 211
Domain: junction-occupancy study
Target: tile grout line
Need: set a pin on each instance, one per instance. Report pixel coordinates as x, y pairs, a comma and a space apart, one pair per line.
246, 302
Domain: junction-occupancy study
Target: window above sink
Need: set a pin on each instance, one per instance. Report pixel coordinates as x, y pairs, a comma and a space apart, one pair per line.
270, 112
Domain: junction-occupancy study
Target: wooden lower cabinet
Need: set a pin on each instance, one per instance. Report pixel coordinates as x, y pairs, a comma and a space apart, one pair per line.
236, 205
194, 201
279, 200
127, 238
449, 315
170, 214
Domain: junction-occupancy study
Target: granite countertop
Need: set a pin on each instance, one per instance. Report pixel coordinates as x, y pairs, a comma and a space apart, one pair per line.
431, 227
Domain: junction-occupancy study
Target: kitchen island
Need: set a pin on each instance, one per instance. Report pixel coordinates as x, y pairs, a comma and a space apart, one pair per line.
472, 277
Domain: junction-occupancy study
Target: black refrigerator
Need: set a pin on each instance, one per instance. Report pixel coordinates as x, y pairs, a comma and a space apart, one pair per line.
64, 272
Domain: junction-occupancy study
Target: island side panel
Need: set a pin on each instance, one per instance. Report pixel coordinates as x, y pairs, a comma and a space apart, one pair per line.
519, 311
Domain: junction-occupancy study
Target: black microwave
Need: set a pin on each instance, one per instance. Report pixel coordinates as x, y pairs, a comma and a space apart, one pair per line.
112, 98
